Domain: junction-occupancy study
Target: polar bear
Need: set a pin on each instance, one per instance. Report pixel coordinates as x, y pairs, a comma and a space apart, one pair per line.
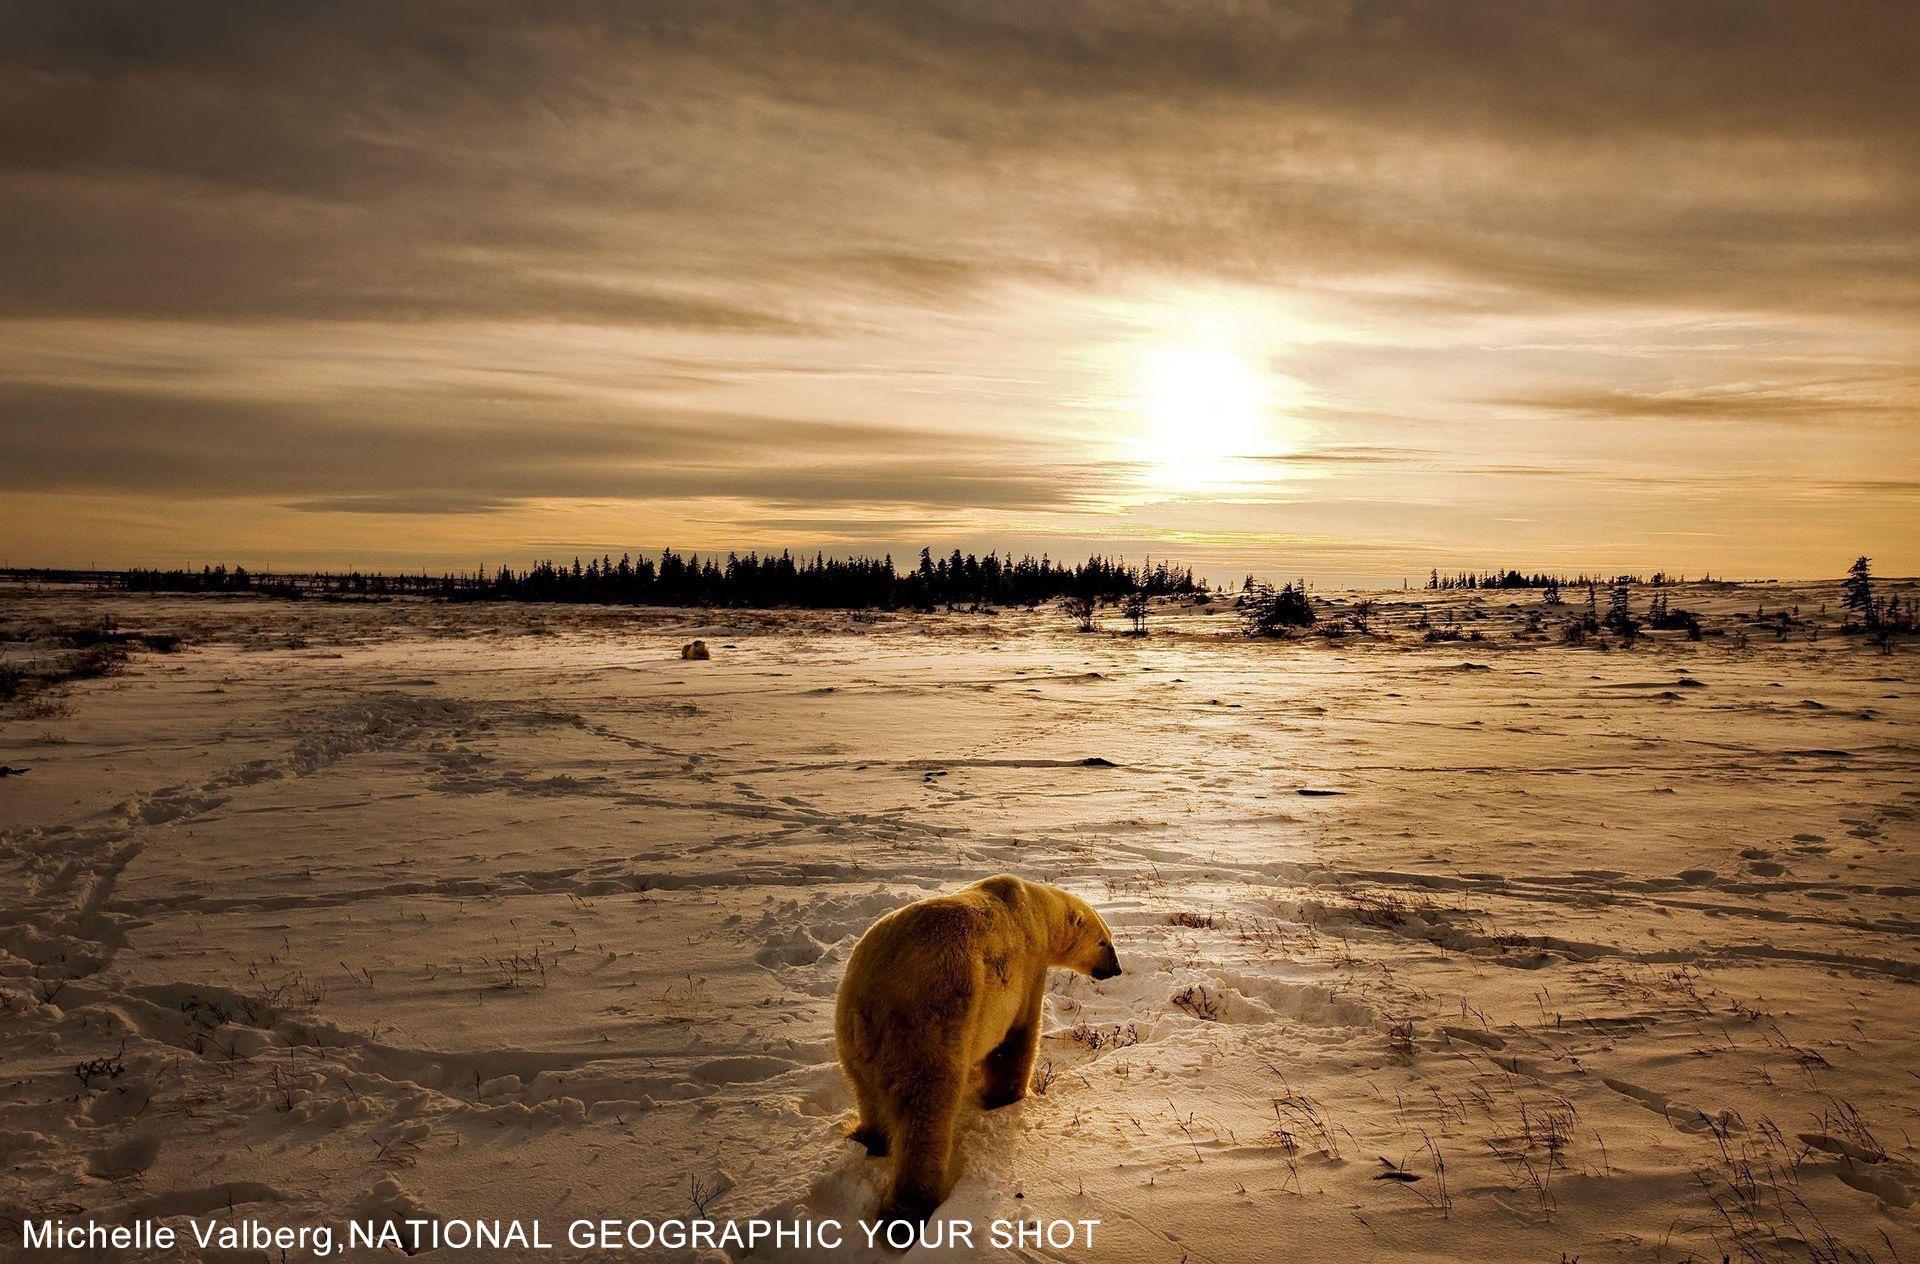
943, 986
695, 649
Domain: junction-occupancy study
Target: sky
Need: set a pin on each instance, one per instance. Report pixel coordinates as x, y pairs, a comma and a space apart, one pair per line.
1344, 289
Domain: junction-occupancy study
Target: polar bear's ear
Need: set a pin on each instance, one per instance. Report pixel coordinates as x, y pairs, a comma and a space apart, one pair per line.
1074, 919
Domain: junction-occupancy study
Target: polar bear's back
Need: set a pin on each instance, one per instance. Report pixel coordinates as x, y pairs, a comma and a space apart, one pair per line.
924, 952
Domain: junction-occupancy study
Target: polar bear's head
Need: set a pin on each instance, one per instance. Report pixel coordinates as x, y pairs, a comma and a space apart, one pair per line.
1085, 944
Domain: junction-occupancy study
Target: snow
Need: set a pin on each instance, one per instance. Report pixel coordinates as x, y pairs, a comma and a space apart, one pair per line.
404, 909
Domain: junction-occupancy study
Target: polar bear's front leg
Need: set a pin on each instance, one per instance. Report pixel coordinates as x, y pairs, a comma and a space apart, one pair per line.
1009, 1068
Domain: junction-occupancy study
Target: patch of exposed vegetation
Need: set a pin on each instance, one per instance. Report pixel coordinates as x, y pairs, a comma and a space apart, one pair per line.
41, 661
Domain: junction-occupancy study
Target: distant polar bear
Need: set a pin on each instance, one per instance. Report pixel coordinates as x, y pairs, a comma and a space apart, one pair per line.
695, 649
938, 988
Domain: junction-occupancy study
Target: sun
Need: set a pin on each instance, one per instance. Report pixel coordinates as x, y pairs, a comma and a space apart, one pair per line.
1203, 416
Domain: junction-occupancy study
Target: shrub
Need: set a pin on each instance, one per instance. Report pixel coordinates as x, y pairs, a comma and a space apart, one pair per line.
1275, 612
1662, 617
1576, 631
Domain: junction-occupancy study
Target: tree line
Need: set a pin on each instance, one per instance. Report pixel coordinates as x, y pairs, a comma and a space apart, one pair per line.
752, 580
1515, 579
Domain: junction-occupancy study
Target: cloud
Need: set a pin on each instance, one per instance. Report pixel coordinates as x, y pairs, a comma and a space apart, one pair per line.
1738, 403
611, 164
383, 506
426, 453
1347, 454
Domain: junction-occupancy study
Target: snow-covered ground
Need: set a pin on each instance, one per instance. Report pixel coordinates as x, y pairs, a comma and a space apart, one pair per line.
411, 909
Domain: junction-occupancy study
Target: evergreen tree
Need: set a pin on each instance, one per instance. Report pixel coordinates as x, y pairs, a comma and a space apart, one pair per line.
1857, 592
1619, 614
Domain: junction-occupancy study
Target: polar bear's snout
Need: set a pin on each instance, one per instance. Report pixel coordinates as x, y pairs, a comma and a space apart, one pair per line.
1109, 965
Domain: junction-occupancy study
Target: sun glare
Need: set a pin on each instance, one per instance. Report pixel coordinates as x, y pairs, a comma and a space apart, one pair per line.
1203, 415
